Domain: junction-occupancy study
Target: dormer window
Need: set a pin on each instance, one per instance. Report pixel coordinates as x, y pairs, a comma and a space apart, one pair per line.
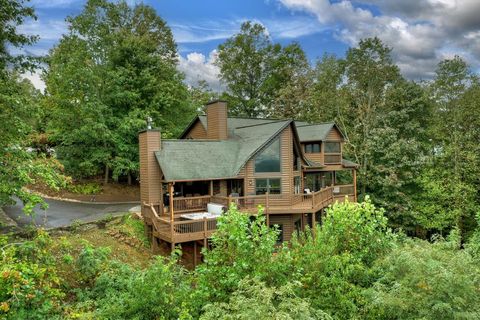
268, 160
312, 147
332, 147
333, 152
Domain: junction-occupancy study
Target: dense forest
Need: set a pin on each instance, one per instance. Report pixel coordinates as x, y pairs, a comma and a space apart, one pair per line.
417, 144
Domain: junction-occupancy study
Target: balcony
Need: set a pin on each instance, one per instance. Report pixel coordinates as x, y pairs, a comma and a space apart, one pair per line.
172, 227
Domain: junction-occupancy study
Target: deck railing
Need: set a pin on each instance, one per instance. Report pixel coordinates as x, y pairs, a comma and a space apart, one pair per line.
342, 191
181, 230
311, 200
186, 204
194, 226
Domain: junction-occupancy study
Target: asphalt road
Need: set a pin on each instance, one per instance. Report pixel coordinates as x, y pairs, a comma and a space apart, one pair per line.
63, 213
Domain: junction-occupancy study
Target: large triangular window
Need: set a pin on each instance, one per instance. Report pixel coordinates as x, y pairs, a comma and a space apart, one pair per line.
268, 160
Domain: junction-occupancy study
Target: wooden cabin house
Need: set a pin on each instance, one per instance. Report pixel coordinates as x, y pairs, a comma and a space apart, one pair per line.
293, 169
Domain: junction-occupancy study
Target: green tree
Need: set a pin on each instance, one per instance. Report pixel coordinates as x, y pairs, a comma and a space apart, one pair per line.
450, 181
19, 110
335, 266
115, 67
369, 72
242, 246
254, 69
327, 99
13, 13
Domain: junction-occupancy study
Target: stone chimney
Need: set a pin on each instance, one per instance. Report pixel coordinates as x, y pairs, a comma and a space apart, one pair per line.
150, 174
217, 120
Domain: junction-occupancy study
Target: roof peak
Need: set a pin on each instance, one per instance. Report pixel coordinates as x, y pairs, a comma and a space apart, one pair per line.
261, 124
316, 124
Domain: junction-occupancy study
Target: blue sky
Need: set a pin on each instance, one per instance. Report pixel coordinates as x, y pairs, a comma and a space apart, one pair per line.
421, 32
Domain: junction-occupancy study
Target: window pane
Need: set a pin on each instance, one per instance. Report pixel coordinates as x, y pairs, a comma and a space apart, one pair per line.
316, 147
308, 148
261, 186
296, 183
269, 159
274, 186
332, 147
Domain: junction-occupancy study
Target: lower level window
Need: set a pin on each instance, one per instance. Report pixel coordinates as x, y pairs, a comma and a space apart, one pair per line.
270, 185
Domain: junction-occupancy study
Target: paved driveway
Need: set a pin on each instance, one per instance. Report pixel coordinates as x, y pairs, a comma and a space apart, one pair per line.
63, 213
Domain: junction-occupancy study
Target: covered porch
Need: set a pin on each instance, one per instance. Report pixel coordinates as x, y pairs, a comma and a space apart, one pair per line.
342, 181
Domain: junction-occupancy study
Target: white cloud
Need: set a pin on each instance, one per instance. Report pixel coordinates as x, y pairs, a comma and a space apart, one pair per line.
418, 31
197, 67
285, 28
54, 3
47, 30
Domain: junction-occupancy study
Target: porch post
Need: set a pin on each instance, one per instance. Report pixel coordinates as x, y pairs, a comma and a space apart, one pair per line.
313, 223
194, 254
354, 185
211, 188
170, 199
172, 217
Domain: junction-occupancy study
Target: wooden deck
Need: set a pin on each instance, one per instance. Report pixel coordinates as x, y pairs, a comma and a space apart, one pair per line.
190, 230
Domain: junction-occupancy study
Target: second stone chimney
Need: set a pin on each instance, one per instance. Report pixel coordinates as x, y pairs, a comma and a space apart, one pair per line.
217, 120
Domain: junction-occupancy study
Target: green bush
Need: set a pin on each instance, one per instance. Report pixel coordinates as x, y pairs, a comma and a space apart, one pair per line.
91, 261
241, 247
161, 291
89, 188
420, 280
29, 284
254, 300
334, 267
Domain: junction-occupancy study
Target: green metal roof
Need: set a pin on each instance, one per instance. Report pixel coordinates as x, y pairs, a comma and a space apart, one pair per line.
306, 131
187, 159
313, 132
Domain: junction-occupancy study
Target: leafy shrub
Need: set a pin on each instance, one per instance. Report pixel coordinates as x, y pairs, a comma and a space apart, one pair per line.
91, 261
420, 280
162, 291
241, 247
89, 188
337, 261
254, 300
29, 284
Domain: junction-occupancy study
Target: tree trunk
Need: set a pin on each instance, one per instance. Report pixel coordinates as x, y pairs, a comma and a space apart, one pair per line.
129, 179
105, 179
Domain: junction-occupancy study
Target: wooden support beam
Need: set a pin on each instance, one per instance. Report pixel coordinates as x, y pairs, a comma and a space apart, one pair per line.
211, 188
313, 224
354, 185
194, 254
172, 217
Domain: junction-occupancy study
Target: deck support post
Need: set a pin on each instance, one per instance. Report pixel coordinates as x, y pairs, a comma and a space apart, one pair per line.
194, 254
172, 247
313, 224
170, 204
155, 246
211, 188
313, 199
354, 185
